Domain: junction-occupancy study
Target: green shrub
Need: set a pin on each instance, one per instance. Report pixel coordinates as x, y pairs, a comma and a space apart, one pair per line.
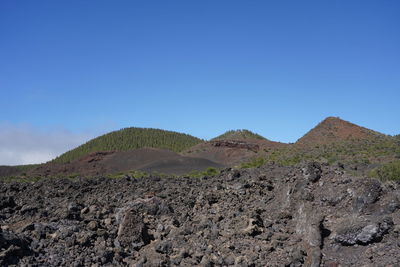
211, 171
291, 161
73, 175
387, 172
131, 173
194, 174
255, 163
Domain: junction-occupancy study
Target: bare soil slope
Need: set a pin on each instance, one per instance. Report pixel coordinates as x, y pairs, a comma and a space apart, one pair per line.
8, 170
110, 162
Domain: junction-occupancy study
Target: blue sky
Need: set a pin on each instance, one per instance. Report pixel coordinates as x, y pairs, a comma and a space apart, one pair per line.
199, 67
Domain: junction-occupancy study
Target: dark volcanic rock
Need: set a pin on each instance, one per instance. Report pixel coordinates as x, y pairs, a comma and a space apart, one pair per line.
6, 202
368, 193
310, 215
132, 232
164, 247
312, 171
363, 232
12, 248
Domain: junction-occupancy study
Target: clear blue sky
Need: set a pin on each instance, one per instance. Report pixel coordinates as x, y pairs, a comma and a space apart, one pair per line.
200, 67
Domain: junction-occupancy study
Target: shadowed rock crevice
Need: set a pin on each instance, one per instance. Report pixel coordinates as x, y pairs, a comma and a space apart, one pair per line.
325, 233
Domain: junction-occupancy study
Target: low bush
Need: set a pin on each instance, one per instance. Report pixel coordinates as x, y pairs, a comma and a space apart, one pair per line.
255, 163
209, 172
387, 172
132, 173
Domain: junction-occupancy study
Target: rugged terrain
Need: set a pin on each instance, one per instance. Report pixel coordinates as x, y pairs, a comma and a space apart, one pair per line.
309, 215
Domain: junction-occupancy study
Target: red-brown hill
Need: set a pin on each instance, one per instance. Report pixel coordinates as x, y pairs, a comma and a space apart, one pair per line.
334, 129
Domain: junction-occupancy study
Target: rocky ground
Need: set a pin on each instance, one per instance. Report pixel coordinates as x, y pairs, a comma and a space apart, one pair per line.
309, 215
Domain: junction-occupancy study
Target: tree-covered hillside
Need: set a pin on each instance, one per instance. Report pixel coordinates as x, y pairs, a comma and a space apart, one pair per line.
239, 135
132, 138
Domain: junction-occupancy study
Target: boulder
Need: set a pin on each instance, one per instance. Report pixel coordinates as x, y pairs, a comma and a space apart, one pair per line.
312, 171
366, 194
132, 232
12, 248
363, 232
6, 202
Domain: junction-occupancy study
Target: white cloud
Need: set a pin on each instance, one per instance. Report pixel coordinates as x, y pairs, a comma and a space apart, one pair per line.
27, 145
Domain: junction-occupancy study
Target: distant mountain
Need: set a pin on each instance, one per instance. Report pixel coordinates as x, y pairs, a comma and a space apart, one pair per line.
238, 135
132, 138
153, 150
334, 129
234, 147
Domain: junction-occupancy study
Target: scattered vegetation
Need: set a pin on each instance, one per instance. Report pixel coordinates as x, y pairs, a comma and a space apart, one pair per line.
209, 172
73, 175
348, 152
255, 163
387, 172
132, 138
21, 179
239, 135
27, 167
132, 173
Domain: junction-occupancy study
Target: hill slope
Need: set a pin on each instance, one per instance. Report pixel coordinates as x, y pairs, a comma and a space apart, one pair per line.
112, 162
132, 138
334, 129
238, 135
8, 170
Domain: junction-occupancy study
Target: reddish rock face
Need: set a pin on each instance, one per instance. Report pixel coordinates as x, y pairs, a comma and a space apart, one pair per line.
236, 144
